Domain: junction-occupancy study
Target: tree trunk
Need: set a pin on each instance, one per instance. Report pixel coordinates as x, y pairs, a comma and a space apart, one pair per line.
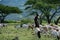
40, 20
3, 17
2, 20
56, 22
48, 20
41, 17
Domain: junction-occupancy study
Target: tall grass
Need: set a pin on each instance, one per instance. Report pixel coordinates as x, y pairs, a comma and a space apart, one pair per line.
10, 32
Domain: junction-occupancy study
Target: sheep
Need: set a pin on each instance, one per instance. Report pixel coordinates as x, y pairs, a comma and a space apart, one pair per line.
37, 31
4, 25
55, 33
25, 25
31, 26
1, 25
49, 27
54, 30
46, 29
17, 26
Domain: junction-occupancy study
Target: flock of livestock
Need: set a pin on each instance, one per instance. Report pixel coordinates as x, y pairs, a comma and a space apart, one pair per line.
3, 25
54, 30
49, 29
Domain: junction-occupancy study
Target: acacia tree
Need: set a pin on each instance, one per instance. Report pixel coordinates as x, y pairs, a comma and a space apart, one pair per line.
6, 10
56, 21
48, 15
45, 6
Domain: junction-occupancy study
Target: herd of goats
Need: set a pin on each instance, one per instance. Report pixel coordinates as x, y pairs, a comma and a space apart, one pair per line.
47, 30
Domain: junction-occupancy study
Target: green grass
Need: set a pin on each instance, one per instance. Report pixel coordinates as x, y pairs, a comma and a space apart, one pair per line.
9, 33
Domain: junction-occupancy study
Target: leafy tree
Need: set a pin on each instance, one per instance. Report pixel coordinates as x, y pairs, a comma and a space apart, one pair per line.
45, 6
48, 15
6, 10
52, 1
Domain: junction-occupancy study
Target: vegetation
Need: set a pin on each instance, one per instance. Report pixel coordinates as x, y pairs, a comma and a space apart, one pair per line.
25, 21
10, 32
44, 6
6, 10
41, 7
56, 21
11, 21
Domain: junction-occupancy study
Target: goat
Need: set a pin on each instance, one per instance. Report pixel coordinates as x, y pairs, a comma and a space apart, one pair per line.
37, 31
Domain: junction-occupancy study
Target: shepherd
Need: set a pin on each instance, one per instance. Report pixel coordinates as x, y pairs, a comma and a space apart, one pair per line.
36, 20
37, 30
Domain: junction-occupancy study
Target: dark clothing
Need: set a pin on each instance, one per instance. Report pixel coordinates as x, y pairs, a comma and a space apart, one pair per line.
58, 37
36, 21
38, 34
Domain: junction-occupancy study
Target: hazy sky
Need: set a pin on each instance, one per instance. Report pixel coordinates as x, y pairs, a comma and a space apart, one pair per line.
17, 3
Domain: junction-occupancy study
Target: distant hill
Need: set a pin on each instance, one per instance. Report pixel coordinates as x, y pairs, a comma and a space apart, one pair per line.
15, 3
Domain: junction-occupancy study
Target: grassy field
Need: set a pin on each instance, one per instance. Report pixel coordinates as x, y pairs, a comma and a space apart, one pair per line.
10, 32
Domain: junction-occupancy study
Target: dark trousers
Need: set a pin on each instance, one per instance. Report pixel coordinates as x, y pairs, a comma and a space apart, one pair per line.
38, 34
36, 24
58, 37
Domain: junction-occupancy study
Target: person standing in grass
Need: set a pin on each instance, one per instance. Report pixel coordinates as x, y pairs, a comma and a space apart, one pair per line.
36, 20
37, 29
